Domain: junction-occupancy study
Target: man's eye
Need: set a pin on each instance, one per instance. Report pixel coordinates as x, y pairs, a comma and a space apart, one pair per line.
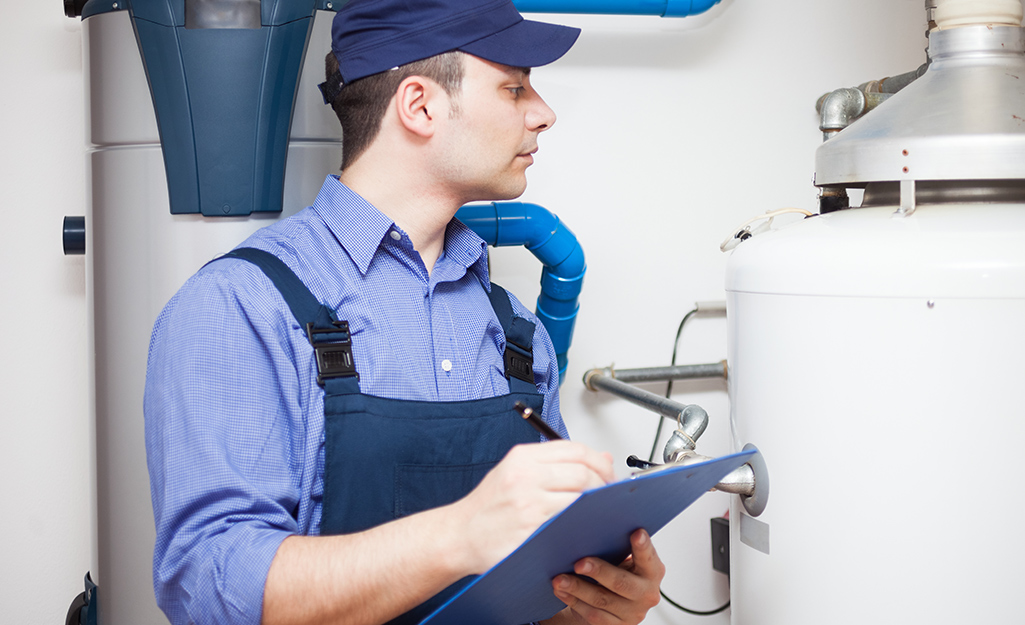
516, 91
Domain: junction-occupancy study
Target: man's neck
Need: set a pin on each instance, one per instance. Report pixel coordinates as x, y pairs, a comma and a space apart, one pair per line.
417, 209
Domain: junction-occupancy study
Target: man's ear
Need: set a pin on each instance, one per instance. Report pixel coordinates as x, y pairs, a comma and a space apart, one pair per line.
418, 103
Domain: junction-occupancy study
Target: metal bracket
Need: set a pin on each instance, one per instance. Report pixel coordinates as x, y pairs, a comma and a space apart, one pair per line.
907, 198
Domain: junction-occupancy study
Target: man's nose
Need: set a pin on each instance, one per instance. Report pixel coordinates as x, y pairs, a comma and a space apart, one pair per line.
540, 117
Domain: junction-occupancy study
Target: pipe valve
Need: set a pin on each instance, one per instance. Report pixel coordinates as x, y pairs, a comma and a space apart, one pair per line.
750, 481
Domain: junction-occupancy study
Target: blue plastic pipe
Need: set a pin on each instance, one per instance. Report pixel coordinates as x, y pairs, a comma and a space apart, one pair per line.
534, 227
664, 8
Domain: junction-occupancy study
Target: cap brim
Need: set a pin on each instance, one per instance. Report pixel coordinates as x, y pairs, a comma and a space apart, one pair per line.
525, 44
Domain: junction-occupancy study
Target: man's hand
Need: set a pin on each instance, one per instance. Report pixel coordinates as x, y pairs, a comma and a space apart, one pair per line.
624, 594
530, 485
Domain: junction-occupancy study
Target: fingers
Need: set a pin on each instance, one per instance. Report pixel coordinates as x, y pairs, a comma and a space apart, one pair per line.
558, 466
571, 478
568, 452
594, 604
624, 593
532, 483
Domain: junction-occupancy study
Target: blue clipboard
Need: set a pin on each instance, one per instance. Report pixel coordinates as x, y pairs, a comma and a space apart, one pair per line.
518, 589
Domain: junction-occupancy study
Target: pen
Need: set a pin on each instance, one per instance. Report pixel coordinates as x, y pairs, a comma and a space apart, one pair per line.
536, 422
637, 463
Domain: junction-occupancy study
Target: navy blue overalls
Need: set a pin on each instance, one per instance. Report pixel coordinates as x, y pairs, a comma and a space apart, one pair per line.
389, 458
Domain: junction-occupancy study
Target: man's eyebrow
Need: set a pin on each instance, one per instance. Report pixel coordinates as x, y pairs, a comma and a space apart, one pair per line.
514, 71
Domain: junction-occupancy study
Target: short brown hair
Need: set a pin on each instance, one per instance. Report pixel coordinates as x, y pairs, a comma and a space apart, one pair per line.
360, 105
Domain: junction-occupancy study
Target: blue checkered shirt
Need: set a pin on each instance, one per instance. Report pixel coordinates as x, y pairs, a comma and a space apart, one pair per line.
235, 418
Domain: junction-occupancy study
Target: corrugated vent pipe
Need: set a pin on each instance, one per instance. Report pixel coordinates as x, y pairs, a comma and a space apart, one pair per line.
534, 227
664, 8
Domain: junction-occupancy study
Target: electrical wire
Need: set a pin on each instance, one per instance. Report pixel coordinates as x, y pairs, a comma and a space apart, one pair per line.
694, 612
669, 385
745, 230
651, 456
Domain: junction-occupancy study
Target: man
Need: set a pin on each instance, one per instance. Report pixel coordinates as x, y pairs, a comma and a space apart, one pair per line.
329, 412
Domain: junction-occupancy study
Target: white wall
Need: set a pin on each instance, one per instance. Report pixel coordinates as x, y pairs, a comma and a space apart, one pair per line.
46, 460
670, 134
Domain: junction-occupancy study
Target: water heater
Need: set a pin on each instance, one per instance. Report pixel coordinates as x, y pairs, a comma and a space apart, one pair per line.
143, 246
875, 355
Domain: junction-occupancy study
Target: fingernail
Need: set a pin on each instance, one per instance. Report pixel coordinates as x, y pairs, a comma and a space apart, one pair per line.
586, 567
642, 537
563, 583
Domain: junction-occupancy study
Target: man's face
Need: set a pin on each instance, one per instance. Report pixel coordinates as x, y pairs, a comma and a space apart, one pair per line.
492, 132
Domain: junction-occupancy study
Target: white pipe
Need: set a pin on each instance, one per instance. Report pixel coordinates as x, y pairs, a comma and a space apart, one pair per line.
955, 13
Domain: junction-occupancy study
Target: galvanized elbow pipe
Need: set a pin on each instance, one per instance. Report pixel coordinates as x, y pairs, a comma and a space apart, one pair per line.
692, 419
839, 109
664, 8
750, 481
540, 231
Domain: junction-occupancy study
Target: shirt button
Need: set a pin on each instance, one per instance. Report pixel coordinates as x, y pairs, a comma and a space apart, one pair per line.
446, 365
396, 235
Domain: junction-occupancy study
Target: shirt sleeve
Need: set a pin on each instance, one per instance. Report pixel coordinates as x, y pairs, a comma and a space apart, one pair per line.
223, 411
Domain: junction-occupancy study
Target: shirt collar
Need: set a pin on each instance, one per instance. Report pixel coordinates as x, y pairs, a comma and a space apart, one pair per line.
463, 246
360, 228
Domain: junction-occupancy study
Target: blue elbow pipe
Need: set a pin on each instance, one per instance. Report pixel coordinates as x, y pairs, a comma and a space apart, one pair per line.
534, 227
664, 8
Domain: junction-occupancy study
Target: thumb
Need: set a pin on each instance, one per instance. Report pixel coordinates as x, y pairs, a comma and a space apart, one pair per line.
644, 560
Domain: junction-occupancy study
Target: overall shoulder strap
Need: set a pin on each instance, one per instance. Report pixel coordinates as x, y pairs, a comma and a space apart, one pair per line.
519, 340
332, 344
303, 304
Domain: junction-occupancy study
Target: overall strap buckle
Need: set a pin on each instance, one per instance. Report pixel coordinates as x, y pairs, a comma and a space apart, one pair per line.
333, 351
519, 362
519, 339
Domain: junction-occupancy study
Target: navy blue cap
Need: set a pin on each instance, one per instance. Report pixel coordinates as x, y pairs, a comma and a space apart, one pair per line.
372, 36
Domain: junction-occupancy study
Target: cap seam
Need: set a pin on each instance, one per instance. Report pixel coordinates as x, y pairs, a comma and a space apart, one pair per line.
462, 45
498, 4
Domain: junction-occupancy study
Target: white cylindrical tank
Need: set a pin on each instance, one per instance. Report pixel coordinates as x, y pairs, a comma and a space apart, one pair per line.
139, 254
875, 362
875, 355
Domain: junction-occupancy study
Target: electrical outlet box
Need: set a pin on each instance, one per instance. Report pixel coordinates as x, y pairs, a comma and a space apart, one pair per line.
721, 545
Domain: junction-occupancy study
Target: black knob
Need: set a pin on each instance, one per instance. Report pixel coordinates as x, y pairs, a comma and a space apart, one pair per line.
74, 235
